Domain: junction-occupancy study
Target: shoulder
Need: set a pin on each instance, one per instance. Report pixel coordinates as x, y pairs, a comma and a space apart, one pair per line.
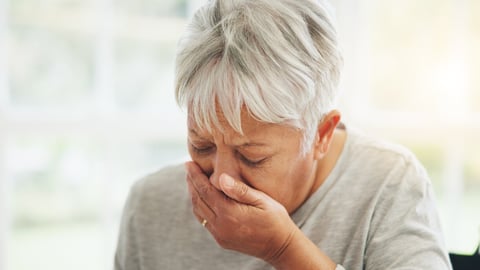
383, 168
380, 155
377, 148
399, 203
167, 177
157, 188
156, 204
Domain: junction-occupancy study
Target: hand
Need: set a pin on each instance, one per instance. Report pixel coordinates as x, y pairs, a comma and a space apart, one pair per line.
239, 217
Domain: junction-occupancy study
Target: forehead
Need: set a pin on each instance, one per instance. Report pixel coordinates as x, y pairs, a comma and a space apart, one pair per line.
250, 126
254, 131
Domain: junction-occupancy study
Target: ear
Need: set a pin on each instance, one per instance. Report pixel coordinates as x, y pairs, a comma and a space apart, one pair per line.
325, 131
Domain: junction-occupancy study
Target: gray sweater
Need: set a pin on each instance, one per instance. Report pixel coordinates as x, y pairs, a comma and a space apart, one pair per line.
375, 211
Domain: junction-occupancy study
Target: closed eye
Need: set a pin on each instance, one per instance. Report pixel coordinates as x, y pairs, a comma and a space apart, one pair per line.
202, 150
252, 163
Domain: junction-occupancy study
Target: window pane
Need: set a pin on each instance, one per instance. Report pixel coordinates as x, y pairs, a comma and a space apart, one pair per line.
44, 5
410, 48
74, 246
474, 44
153, 7
144, 75
56, 203
468, 221
69, 192
144, 61
51, 59
431, 156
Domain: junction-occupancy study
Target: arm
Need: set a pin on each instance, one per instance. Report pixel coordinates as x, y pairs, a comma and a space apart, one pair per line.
301, 253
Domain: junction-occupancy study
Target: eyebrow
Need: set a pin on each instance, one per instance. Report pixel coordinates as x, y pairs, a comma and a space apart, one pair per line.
251, 144
243, 145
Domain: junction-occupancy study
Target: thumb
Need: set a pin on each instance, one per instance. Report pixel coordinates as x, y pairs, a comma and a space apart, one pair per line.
239, 191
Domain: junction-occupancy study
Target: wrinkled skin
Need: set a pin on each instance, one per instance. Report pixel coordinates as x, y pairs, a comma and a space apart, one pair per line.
246, 186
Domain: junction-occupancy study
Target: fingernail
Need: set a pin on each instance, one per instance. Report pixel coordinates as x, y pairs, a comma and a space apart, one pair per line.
228, 181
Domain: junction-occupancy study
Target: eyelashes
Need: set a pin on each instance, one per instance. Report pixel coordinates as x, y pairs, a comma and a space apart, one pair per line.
251, 163
204, 151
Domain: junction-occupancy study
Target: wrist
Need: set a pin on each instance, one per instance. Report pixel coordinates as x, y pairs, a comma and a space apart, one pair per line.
283, 256
301, 253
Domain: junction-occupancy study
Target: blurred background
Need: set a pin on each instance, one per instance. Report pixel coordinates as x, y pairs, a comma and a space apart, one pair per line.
87, 107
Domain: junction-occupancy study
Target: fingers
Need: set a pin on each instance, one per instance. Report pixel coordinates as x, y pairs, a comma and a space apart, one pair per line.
201, 184
205, 197
208, 201
241, 192
200, 209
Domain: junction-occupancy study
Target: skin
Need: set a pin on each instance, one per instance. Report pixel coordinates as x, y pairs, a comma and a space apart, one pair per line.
246, 186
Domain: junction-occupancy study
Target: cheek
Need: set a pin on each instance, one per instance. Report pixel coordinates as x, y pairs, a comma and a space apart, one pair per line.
303, 171
259, 178
291, 179
271, 180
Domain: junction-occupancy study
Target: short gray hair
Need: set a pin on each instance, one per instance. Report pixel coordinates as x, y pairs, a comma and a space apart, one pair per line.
279, 59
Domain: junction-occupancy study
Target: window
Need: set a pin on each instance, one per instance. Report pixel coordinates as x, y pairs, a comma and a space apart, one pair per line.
410, 77
87, 107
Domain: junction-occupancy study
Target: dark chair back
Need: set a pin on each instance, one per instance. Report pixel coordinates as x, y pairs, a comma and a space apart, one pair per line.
466, 262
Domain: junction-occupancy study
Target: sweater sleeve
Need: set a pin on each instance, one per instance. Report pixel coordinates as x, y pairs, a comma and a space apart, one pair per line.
405, 230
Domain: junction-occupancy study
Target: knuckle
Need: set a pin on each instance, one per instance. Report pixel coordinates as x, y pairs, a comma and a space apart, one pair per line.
194, 199
203, 190
242, 190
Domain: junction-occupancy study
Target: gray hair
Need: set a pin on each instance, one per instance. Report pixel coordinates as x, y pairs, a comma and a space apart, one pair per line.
278, 59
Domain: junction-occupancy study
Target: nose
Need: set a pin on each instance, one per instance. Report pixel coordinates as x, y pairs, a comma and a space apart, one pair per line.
224, 162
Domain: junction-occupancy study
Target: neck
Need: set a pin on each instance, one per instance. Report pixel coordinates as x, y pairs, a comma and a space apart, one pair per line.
327, 163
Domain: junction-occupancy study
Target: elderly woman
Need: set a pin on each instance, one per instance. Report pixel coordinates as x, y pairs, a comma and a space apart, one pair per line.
276, 180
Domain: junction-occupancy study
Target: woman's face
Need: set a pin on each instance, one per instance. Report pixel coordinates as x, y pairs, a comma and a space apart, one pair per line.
268, 157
